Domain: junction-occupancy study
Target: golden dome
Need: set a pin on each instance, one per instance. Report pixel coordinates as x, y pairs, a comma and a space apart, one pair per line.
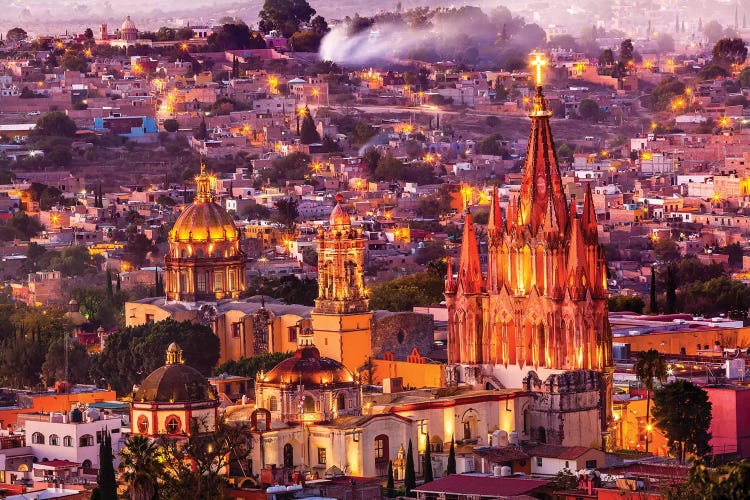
339, 217
204, 220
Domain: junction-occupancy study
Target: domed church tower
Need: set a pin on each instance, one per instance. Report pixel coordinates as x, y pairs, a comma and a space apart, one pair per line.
205, 261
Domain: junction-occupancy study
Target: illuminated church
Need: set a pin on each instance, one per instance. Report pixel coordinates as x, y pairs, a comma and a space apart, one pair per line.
538, 319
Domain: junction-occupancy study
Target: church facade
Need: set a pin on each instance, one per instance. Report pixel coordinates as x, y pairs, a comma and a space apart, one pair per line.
538, 318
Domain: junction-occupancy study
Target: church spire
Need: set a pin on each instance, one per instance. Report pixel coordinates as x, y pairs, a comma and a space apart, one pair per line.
588, 219
203, 182
470, 278
450, 285
495, 221
541, 173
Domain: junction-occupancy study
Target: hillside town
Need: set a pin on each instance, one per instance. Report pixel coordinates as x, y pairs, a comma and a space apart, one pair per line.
288, 258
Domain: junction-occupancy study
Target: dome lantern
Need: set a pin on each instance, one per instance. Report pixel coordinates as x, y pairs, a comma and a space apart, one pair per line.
174, 354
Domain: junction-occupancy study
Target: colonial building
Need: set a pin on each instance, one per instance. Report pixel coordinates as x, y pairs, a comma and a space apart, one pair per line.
538, 319
205, 261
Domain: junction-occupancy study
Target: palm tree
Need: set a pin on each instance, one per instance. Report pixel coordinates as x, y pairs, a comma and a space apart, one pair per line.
650, 365
141, 467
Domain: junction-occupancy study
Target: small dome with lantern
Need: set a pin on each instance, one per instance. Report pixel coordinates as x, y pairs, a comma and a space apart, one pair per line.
308, 387
173, 398
339, 217
205, 260
128, 31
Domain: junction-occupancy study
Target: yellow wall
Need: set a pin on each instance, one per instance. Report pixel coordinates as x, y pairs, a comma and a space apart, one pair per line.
627, 417
343, 337
414, 375
135, 314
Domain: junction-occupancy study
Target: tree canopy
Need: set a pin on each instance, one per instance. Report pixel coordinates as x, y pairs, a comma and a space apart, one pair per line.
55, 123
682, 410
402, 294
284, 15
729, 51
132, 353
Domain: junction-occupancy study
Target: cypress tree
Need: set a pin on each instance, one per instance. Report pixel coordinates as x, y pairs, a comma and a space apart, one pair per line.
308, 133
119, 283
390, 485
427, 466
653, 307
109, 284
410, 475
451, 469
106, 479
671, 290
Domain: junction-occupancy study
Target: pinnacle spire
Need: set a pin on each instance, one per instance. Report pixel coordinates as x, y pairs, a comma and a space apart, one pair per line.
495, 221
588, 218
470, 278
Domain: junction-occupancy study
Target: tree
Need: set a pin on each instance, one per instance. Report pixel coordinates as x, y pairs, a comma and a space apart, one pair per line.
251, 366
606, 58
106, 478
286, 211
292, 166
403, 294
729, 51
565, 480
632, 303
55, 123
727, 482
74, 61
73, 261
410, 475
319, 25
53, 368
665, 42
626, 51
171, 125
649, 366
132, 353
185, 33
136, 249
666, 250
193, 464
671, 289
232, 36
305, 41
427, 465
682, 410
451, 467
201, 133
492, 145
141, 467
713, 30
16, 35
664, 93
390, 484
389, 168
308, 133
589, 110
284, 15
734, 251
652, 305
745, 78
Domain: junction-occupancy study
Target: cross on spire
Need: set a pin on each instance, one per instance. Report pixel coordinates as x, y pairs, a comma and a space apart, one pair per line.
538, 62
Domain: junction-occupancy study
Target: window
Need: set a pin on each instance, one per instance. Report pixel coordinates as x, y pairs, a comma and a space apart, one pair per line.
218, 282
86, 440
341, 402
54, 440
321, 456
100, 435
236, 328
37, 438
567, 465
292, 333
231, 279
591, 464
273, 404
68, 441
149, 319
143, 424
381, 448
172, 424
309, 404
86, 464
538, 461
201, 282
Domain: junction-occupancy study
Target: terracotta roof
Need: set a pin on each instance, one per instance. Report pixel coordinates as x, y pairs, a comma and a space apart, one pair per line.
504, 454
483, 486
174, 383
58, 463
308, 367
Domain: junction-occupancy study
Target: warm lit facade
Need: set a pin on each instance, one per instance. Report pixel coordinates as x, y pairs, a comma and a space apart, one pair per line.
172, 398
341, 319
205, 260
540, 313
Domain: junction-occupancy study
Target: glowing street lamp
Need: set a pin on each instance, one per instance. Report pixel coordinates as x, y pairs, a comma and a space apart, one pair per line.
724, 122
301, 111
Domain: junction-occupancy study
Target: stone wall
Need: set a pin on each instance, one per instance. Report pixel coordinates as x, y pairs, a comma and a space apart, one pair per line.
400, 333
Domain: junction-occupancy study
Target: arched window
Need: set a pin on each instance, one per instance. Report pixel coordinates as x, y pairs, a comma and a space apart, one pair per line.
68, 441
382, 454
273, 404
309, 405
37, 438
54, 440
86, 440
341, 402
86, 464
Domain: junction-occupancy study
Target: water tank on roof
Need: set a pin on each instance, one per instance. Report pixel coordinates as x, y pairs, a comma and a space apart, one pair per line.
513, 438
506, 471
76, 416
497, 471
92, 414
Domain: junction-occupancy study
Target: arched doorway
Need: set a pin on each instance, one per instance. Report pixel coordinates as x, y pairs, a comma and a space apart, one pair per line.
382, 454
288, 455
